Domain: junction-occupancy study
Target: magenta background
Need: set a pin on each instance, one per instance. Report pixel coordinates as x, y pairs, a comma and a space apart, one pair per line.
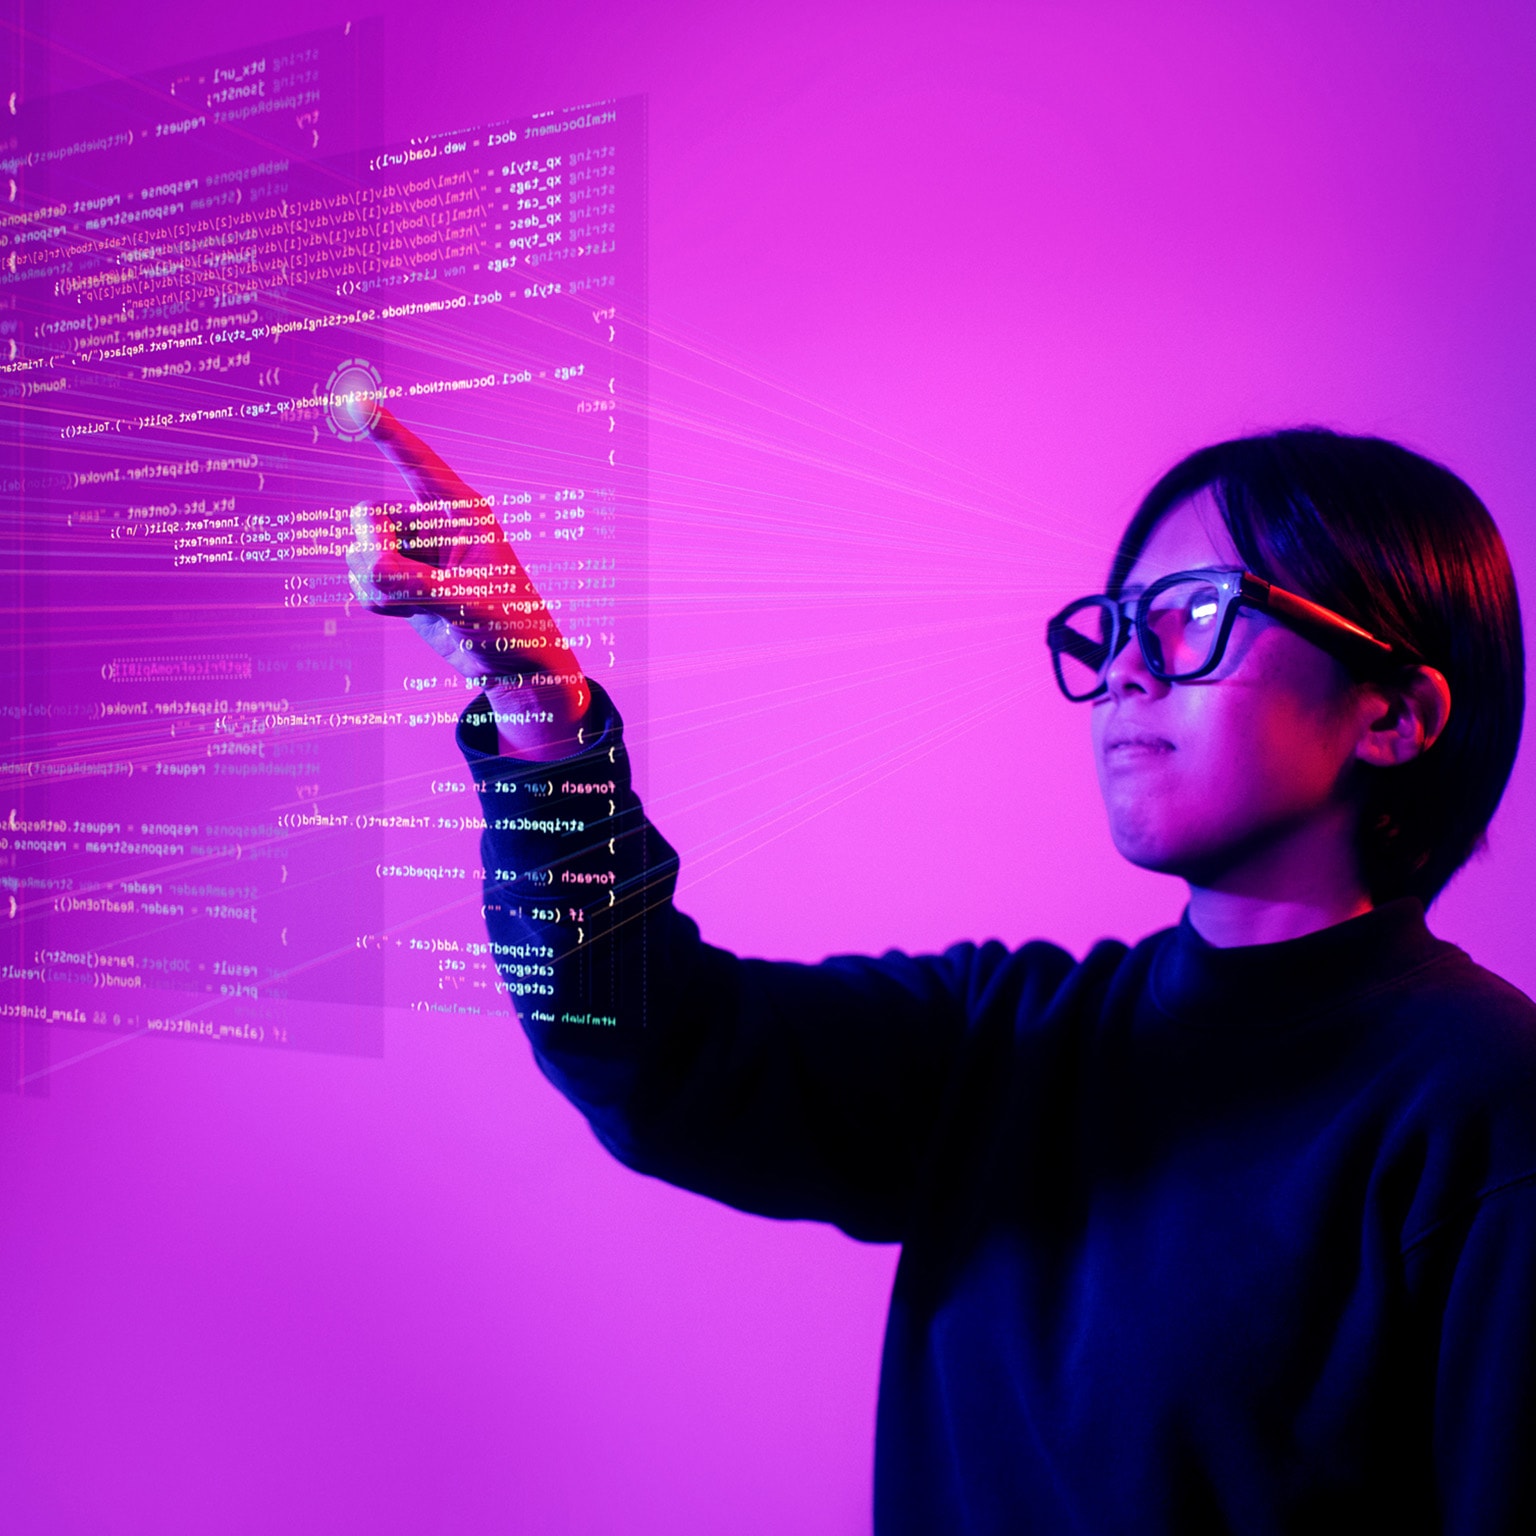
937, 291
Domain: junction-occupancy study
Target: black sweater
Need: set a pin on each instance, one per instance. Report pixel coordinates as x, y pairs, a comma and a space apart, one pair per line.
1192, 1239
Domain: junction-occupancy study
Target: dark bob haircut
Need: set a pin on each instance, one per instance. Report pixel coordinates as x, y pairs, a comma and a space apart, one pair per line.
1403, 547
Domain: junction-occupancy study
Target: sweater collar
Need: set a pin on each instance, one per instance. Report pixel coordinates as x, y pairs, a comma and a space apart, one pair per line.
1268, 984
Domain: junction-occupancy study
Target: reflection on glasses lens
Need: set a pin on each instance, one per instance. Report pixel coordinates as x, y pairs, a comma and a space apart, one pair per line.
1180, 624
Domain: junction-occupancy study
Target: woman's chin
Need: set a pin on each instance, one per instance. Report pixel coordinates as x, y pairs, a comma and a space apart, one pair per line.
1150, 843
1147, 847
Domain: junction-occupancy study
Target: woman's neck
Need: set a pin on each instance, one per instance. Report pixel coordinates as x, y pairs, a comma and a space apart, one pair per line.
1227, 918
1282, 887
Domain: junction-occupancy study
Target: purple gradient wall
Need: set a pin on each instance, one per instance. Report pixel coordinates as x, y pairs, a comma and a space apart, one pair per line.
937, 291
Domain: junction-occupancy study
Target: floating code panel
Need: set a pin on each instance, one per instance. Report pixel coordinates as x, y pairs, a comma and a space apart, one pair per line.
232, 805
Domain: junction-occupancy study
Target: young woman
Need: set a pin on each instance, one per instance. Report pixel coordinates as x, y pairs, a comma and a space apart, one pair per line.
1234, 1230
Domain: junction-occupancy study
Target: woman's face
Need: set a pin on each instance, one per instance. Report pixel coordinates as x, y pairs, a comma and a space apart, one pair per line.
1240, 780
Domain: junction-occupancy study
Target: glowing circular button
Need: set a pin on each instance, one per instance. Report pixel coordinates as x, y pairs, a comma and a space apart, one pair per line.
352, 398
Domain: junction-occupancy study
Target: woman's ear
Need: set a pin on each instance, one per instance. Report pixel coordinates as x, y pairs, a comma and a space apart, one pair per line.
1406, 717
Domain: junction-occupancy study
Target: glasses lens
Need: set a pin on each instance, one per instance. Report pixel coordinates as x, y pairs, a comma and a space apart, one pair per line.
1180, 626
1080, 641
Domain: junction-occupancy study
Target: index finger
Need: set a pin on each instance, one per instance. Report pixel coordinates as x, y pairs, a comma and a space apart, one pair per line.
426, 474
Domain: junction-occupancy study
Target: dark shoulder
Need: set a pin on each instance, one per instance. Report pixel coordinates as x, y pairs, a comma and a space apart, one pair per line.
1462, 1043
1480, 1025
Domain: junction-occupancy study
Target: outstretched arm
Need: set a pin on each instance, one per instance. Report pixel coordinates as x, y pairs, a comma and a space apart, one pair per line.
790, 1090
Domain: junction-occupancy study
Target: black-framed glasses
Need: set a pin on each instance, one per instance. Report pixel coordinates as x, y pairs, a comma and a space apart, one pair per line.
1183, 622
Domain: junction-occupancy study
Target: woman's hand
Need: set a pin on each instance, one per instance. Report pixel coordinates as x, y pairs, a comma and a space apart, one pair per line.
447, 567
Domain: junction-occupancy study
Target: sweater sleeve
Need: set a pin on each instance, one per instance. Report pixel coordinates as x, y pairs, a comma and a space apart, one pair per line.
783, 1089
1485, 1377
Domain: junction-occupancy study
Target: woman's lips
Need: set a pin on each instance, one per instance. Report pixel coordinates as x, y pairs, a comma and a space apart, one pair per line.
1134, 747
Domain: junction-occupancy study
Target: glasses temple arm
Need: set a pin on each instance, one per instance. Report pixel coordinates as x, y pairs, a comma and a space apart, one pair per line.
1322, 622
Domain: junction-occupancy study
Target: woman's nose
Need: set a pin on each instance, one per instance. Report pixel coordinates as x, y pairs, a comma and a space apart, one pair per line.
1128, 672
